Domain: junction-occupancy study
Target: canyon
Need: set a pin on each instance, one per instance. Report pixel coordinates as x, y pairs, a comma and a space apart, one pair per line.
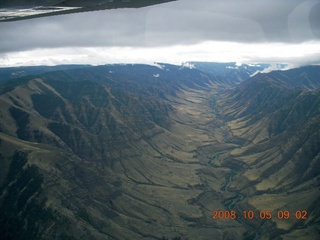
134, 151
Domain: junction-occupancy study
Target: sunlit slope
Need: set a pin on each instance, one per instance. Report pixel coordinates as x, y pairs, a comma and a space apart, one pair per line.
276, 117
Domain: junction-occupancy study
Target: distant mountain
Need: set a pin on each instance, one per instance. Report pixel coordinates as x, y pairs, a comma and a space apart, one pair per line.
229, 71
225, 71
17, 72
133, 151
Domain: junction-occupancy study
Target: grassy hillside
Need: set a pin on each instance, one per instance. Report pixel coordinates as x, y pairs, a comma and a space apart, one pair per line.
149, 152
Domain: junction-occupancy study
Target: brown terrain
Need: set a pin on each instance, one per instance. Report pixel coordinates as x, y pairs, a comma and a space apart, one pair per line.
141, 152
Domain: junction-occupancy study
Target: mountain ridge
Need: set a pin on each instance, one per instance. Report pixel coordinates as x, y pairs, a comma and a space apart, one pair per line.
278, 121
138, 151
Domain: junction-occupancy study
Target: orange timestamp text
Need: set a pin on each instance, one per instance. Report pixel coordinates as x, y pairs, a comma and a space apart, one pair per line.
263, 214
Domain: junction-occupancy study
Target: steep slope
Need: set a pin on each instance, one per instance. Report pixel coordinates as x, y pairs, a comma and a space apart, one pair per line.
150, 152
276, 118
110, 152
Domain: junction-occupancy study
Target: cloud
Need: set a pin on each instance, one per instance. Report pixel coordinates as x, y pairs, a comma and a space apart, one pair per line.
211, 51
103, 28
164, 27
186, 25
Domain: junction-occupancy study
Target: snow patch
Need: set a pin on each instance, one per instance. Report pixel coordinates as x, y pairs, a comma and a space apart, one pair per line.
230, 67
158, 65
187, 65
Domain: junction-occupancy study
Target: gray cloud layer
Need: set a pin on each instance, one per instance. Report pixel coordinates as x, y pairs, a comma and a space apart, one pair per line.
181, 22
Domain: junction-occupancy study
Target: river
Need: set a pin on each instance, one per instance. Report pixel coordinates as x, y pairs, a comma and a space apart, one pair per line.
232, 206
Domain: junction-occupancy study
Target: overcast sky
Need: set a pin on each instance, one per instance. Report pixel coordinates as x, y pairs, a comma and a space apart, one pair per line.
284, 31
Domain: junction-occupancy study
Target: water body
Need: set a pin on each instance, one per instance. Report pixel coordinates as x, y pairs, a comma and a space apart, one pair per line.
234, 201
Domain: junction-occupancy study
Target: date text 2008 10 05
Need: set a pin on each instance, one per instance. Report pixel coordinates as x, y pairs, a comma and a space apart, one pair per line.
263, 214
